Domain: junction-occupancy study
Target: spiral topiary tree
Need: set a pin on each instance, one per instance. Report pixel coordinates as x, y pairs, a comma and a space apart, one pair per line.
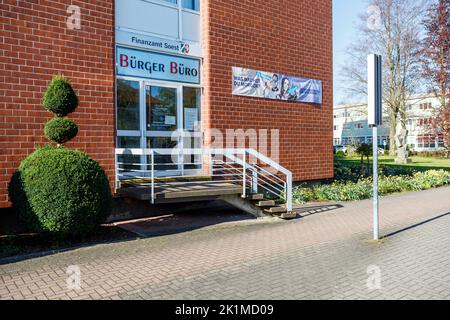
60, 99
56, 189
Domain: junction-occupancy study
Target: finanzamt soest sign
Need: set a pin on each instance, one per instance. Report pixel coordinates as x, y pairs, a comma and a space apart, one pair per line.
260, 84
158, 66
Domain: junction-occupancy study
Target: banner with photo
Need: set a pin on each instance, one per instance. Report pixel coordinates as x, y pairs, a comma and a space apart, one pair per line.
260, 84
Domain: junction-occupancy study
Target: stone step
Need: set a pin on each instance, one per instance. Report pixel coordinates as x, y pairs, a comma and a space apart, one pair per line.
281, 212
276, 210
256, 196
289, 215
266, 203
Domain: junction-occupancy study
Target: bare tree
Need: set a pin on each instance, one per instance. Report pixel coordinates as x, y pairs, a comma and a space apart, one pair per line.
390, 28
436, 65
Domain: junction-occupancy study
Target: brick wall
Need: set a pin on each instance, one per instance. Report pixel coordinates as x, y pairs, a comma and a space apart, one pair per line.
35, 44
290, 37
280, 36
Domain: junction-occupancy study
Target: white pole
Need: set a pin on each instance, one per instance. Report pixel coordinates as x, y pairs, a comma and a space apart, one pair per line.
376, 224
289, 192
244, 174
152, 156
375, 118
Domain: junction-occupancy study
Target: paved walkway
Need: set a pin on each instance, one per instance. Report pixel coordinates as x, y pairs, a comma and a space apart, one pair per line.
325, 255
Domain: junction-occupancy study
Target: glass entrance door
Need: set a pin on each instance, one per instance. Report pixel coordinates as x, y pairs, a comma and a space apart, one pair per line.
154, 115
173, 123
162, 128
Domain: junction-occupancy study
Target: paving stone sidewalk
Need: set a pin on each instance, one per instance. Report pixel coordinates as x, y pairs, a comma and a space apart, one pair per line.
327, 254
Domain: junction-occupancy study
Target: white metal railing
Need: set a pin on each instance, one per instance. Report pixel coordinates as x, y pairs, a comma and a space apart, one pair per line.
244, 167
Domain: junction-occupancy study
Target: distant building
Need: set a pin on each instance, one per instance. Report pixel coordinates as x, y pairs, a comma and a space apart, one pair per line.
350, 124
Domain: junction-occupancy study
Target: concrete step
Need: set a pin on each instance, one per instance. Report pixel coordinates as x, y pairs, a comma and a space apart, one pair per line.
281, 212
288, 215
256, 196
266, 203
275, 210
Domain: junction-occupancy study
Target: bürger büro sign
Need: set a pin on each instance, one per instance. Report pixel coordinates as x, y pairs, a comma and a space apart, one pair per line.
158, 66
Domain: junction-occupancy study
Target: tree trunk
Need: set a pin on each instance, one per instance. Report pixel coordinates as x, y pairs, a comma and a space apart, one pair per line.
368, 166
362, 166
392, 137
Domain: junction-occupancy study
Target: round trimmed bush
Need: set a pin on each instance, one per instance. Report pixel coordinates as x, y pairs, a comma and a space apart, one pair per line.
60, 130
61, 191
60, 98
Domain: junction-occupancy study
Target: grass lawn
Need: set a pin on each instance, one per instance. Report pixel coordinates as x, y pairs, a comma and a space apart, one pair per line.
419, 163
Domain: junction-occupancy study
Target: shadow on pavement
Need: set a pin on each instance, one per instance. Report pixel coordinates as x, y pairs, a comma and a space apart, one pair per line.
16, 244
214, 214
308, 210
416, 225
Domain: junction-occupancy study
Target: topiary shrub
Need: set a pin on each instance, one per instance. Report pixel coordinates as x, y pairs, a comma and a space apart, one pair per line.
61, 191
56, 189
60, 98
60, 130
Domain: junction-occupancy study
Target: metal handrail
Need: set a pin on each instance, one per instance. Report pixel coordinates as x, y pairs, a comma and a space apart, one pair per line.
237, 162
268, 173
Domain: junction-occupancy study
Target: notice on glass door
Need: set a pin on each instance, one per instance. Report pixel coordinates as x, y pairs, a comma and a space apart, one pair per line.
190, 118
170, 120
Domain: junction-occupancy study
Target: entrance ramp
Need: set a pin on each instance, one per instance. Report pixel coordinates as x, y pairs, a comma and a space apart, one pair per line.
241, 177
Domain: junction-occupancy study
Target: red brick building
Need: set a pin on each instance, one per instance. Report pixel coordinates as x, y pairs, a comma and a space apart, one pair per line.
144, 69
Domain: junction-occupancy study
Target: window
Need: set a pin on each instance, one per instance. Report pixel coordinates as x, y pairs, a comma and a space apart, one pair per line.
191, 4
426, 106
440, 141
425, 122
426, 141
359, 126
171, 1
191, 108
335, 128
127, 105
191, 115
127, 159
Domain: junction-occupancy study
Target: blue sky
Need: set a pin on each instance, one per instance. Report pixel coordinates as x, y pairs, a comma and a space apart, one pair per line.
345, 18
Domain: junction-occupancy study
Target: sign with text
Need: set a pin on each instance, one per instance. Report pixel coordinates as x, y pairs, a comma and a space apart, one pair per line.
154, 43
260, 84
158, 66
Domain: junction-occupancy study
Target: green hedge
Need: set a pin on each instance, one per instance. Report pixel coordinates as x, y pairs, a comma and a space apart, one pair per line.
62, 191
350, 191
